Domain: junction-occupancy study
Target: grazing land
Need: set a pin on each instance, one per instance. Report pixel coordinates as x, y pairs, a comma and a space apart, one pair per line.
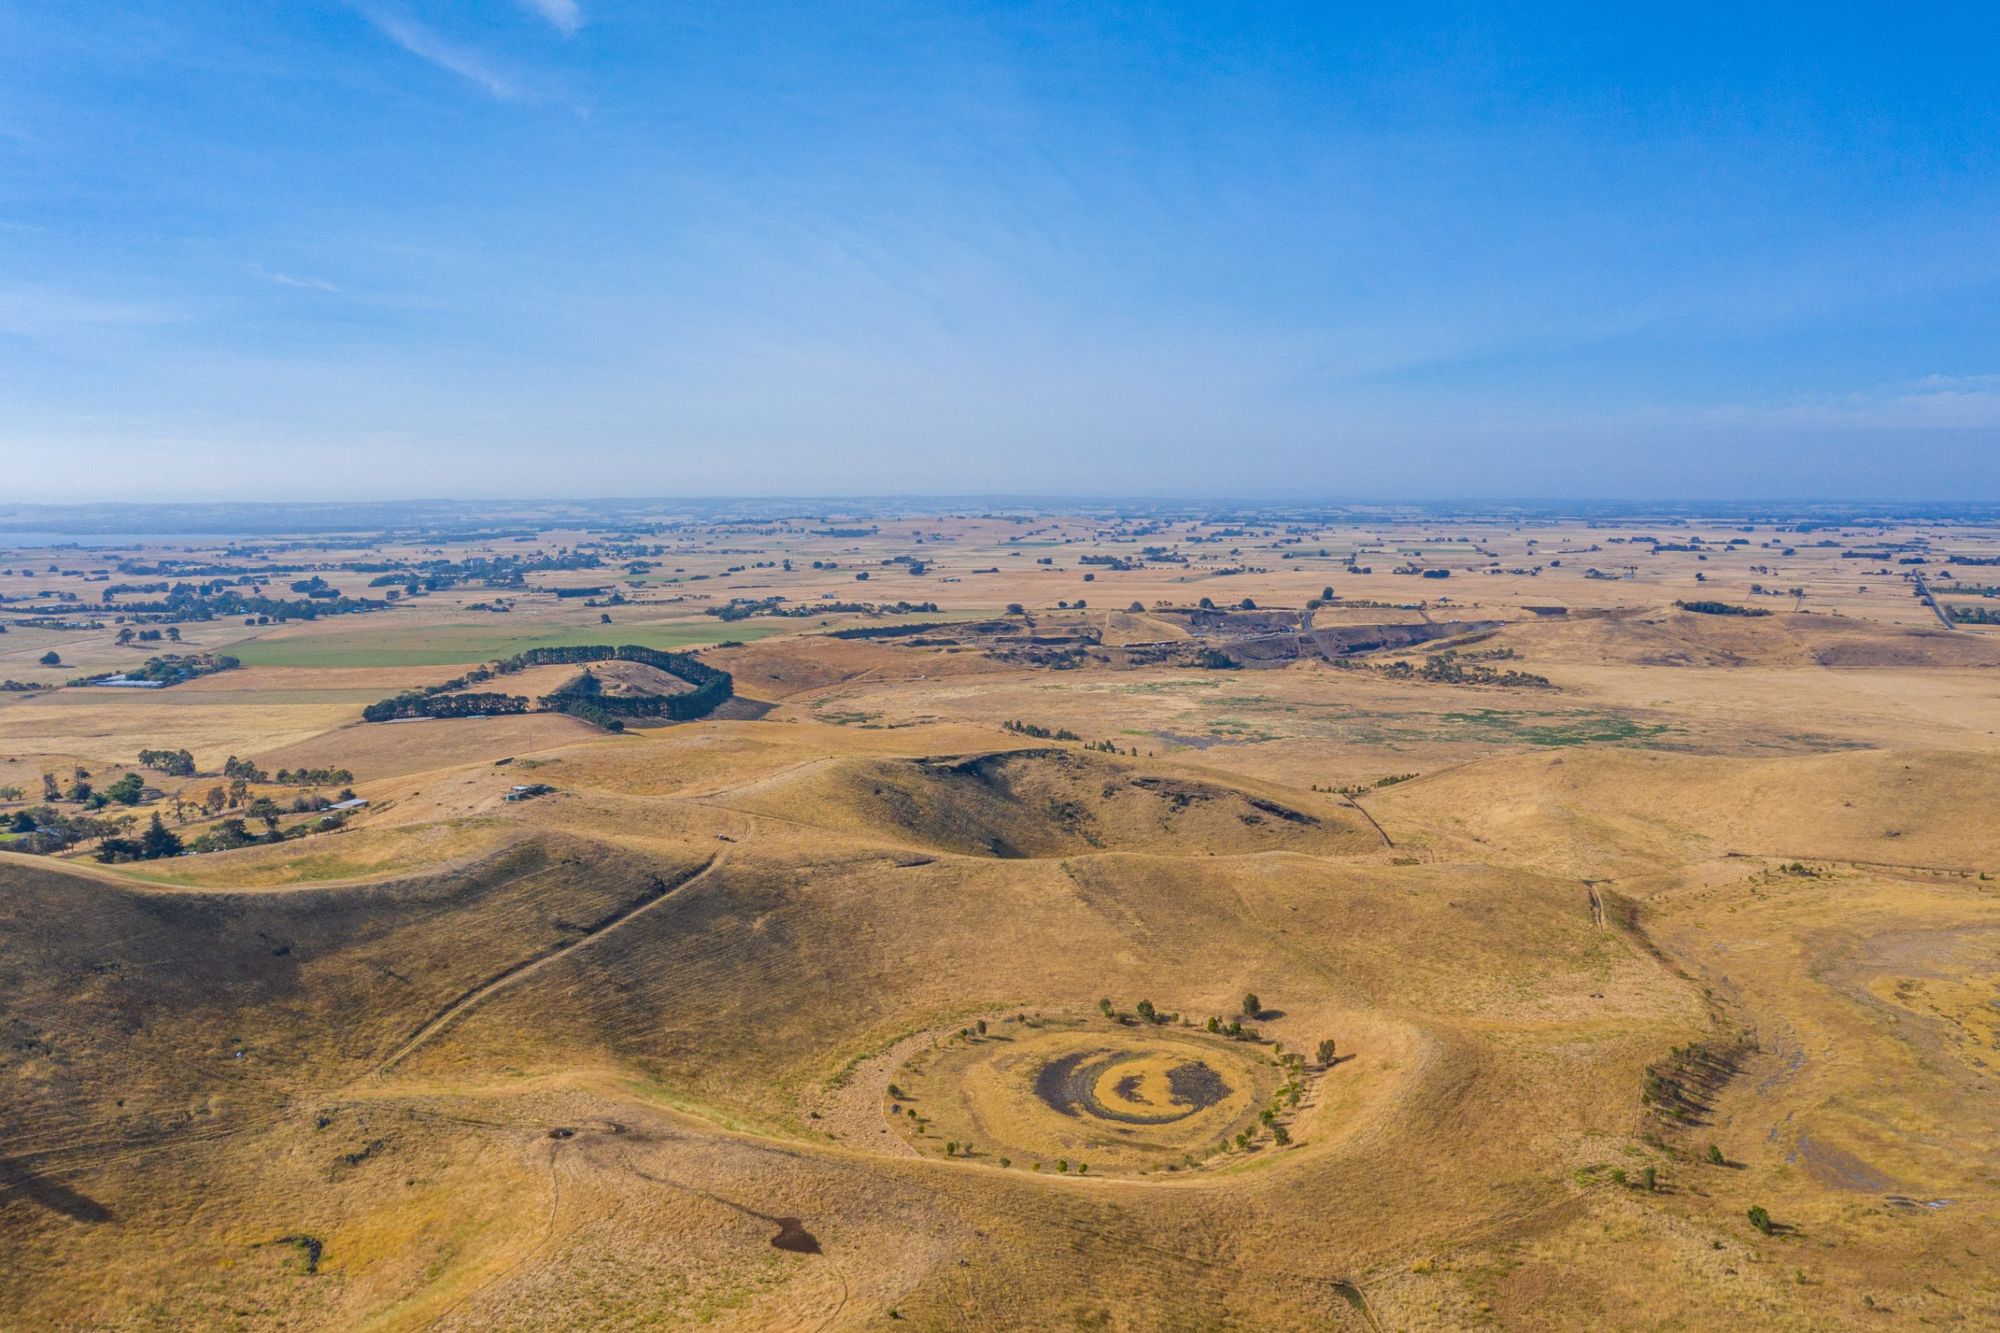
1119, 916
451, 645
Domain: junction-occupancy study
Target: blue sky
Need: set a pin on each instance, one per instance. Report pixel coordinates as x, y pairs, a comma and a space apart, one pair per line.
584, 247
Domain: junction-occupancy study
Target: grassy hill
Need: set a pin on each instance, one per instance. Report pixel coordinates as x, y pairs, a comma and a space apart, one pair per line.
869, 1012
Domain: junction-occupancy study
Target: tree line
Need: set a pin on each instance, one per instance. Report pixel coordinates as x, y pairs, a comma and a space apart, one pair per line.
583, 698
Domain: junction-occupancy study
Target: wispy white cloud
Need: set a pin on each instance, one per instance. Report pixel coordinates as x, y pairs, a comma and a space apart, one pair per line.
307, 283
426, 44
1958, 383
566, 16
1938, 402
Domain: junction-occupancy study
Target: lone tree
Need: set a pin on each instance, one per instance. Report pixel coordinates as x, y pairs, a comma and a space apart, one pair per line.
1146, 1010
1761, 1219
158, 840
1252, 1006
52, 658
1326, 1051
266, 809
127, 790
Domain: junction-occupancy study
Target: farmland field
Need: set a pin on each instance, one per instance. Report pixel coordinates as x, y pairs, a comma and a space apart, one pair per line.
1136, 668
1077, 943
452, 645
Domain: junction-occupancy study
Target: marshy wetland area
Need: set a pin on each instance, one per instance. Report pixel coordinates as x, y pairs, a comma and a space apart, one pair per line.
951, 916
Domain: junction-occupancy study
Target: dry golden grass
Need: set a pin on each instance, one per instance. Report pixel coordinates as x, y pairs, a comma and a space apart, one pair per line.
585, 1061
399, 749
110, 726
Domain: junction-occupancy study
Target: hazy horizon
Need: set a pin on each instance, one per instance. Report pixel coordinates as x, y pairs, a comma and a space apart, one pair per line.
1037, 501
399, 248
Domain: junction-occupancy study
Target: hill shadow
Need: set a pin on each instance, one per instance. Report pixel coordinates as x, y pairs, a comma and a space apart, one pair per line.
50, 1194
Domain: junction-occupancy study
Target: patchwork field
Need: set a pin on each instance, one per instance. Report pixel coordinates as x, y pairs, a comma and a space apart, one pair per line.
1545, 945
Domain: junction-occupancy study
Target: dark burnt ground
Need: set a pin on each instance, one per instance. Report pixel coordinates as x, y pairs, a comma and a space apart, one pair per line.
1069, 1083
1055, 1083
1196, 1085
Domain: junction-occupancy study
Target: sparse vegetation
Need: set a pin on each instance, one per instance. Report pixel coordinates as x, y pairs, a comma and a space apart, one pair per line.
1710, 608
742, 970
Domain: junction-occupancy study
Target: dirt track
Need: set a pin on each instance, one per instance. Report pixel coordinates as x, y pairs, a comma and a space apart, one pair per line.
452, 1012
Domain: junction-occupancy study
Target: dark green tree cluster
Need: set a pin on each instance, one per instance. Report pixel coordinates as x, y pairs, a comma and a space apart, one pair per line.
185, 602
1721, 609
313, 777
172, 668
875, 631
157, 841
43, 829
742, 608
127, 790
1040, 733
235, 831
712, 688
420, 703
174, 763
1449, 668
502, 571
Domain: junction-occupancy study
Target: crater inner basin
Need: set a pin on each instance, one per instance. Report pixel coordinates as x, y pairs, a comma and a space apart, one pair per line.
1161, 1089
